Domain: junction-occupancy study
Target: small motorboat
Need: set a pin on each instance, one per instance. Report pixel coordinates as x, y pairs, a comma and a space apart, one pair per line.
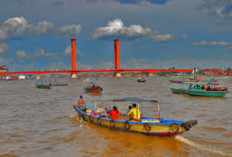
146, 125
93, 88
43, 84
141, 79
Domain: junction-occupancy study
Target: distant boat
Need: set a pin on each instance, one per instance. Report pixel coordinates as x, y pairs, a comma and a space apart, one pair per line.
22, 77
200, 89
93, 88
43, 84
141, 79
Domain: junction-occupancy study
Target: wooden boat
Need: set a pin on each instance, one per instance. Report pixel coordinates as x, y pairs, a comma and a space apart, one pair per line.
141, 79
201, 89
93, 88
43, 84
147, 125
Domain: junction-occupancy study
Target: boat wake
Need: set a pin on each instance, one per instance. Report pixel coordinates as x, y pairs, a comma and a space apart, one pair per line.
201, 147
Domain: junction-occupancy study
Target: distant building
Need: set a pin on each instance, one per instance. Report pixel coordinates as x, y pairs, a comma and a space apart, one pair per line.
3, 68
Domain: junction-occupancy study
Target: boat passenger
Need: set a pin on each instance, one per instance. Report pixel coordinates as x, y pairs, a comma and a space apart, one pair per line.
134, 113
81, 103
129, 108
114, 113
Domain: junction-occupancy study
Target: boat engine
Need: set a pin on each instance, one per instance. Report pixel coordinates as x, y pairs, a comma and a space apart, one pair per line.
187, 125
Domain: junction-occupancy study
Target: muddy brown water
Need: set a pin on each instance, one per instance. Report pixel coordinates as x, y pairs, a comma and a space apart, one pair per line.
40, 122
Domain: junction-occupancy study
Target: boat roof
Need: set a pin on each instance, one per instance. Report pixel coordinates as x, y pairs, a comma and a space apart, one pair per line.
131, 99
201, 83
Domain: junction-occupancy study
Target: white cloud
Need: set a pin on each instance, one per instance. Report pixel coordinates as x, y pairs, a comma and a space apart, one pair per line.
13, 27
184, 36
4, 61
21, 54
58, 66
221, 8
117, 28
68, 50
41, 52
137, 64
213, 43
38, 53
84, 66
19, 26
70, 31
157, 37
3, 48
107, 65
43, 27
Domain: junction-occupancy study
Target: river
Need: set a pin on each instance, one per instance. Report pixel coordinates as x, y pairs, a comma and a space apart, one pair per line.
40, 122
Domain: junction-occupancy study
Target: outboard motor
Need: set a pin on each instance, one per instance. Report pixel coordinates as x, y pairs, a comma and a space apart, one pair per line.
187, 125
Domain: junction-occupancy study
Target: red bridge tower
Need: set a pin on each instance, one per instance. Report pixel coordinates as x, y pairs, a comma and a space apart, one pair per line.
73, 56
116, 58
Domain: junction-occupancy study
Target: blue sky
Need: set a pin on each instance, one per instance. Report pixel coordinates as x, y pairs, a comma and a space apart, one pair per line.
35, 34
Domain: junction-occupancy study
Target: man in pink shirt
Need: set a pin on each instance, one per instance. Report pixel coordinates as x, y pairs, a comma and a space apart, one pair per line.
81, 102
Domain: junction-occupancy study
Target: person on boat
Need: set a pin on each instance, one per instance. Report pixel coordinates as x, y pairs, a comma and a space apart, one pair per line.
134, 113
81, 103
114, 113
129, 108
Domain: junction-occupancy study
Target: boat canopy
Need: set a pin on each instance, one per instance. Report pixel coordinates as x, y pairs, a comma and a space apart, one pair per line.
131, 99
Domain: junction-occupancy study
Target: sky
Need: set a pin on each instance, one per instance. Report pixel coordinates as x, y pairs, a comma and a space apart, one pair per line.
154, 34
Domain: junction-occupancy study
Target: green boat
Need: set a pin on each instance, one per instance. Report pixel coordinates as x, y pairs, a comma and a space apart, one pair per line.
47, 86
200, 89
43, 84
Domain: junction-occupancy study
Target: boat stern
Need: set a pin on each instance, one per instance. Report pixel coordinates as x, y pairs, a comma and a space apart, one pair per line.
187, 125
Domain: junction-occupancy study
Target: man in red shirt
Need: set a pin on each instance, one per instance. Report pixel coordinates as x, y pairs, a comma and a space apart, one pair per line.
114, 113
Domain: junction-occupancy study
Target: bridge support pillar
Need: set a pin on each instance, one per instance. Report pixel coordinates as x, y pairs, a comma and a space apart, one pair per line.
117, 75
116, 58
73, 76
150, 74
37, 77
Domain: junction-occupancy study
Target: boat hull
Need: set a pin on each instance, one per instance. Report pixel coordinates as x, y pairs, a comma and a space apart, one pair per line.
44, 86
163, 128
176, 81
199, 93
93, 89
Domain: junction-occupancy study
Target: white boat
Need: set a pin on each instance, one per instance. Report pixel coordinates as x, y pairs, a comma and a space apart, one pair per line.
22, 77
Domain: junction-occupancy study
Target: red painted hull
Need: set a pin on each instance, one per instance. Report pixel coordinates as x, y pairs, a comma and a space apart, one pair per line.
164, 134
94, 89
